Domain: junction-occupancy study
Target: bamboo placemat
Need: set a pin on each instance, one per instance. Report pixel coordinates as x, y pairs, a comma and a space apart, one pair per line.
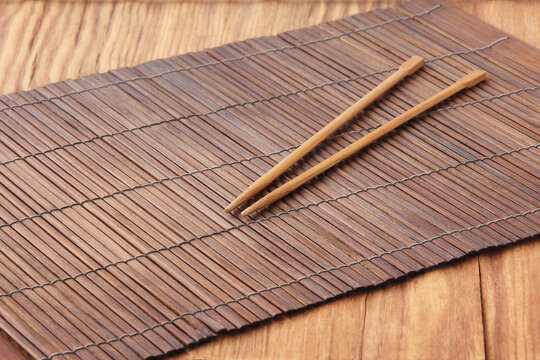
114, 243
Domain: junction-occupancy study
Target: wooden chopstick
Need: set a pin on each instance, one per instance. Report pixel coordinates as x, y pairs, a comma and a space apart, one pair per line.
407, 68
465, 82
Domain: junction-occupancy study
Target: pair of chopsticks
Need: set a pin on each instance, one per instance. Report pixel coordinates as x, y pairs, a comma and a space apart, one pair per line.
409, 67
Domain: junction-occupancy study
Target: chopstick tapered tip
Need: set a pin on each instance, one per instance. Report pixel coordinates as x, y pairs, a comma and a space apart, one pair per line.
242, 198
236, 203
246, 212
254, 207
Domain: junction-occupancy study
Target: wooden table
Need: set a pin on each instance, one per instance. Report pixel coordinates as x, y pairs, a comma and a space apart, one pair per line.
485, 306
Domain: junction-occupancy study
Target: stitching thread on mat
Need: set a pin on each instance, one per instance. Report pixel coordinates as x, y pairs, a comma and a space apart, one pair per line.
200, 171
242, 57
279, 286
251, 102
278, 215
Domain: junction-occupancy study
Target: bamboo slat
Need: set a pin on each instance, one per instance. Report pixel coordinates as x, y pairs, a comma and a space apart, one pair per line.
113, 239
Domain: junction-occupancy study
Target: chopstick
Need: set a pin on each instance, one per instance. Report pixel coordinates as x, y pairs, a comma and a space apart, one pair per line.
407, 68
465, 82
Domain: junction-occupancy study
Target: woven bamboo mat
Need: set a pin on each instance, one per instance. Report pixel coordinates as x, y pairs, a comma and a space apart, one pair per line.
114, 243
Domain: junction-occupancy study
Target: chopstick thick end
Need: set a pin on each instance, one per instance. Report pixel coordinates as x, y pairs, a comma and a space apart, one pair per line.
412, 65
472, 78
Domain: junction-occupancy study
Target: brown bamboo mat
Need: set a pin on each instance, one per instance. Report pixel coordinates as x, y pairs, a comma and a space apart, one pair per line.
114, 243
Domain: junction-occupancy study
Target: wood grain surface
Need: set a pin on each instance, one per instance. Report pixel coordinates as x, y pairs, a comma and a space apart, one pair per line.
485, 306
